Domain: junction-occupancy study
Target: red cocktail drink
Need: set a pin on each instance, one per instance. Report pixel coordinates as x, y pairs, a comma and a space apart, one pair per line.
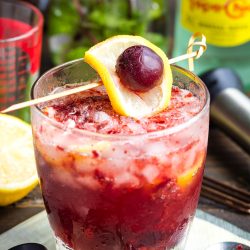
113, 182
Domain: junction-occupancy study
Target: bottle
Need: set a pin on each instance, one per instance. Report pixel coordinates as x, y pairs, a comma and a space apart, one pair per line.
226, 25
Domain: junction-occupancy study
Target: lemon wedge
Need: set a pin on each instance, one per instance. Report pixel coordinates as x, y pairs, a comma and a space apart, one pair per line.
18, 174
186, 178
103, 57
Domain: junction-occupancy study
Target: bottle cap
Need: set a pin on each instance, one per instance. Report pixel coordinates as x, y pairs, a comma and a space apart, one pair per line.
29, 246
219, 79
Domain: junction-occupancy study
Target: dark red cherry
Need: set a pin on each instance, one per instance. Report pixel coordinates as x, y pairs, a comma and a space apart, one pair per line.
139, 68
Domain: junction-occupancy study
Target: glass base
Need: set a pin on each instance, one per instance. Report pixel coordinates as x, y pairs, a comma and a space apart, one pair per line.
61, 246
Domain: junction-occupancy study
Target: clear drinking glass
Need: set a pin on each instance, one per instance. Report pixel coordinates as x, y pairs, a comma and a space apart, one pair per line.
96, 188
20, 51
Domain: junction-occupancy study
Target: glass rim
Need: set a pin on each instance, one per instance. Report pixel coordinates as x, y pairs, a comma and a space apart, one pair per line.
30, 32
153, 134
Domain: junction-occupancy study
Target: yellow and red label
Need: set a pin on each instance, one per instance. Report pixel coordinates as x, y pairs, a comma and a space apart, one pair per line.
225, 23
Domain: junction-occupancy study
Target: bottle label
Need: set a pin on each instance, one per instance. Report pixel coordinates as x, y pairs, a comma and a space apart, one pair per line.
225, 23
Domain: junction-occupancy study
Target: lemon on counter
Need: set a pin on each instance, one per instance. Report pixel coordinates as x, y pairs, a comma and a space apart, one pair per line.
103, 58
18, 175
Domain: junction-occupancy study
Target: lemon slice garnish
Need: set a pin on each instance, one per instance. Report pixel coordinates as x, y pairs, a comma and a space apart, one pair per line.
103, 56
18, 175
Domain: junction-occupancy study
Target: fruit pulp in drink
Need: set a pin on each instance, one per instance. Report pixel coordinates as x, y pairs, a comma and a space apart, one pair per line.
114, 182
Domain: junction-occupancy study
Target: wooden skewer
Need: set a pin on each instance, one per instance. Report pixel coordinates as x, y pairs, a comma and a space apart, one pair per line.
189, 55
50, 97
182, 57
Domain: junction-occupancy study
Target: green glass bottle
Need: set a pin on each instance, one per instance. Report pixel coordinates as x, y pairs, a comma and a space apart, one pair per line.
226, 24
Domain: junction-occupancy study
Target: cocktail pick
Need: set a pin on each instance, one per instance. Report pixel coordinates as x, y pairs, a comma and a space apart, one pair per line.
51, 97
198, 53
190, 55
